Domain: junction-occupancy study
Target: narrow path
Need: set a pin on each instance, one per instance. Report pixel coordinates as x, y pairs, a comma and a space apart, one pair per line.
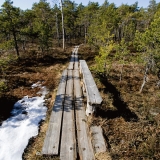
68, 133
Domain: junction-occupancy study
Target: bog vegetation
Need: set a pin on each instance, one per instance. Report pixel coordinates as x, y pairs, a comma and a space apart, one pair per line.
126, 41
119, 30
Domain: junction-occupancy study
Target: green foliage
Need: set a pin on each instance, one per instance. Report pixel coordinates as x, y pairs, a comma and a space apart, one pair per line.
102, 25
96, 24
103, 62
6, 45
148, 42
121, 55
122, 52
10, 18
42, 24
69, 9
4, 62
3, 86
27, 31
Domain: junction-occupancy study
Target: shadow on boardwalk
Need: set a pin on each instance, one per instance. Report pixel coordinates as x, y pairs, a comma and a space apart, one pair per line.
121, 106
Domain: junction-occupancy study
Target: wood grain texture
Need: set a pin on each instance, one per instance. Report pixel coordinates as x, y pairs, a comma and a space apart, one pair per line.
52, 138
68, 140
84, 142
94, 96
97, 139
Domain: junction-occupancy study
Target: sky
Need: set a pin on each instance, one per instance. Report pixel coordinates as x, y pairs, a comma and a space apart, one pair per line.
27, 4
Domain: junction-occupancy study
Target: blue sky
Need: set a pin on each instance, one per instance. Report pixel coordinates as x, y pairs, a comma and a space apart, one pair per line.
24, 4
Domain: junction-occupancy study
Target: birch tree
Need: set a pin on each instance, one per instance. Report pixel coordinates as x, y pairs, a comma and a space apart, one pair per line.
149, 43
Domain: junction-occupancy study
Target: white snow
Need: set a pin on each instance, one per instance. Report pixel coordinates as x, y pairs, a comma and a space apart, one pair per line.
16, 131
38, 84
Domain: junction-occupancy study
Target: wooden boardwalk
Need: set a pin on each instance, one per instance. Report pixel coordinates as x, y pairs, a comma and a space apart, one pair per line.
68, 133
93, 96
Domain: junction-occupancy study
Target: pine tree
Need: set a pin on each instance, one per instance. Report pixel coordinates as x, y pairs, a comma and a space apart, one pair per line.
122, 55
42, 24
11, 23
103, 61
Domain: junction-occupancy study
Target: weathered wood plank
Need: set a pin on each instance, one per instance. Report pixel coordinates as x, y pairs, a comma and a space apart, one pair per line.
71, 63
76, 50
93, 96
68, 140
76, 63
91, 86
84, 141
97, 139
73, 50
52, 139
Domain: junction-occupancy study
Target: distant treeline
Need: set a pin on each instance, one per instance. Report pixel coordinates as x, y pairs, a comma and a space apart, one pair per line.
119, 30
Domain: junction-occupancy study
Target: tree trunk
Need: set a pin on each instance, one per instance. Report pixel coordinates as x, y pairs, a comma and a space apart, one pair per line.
85, 35
80, 30
63, 31
57, 29
24, 45
119, 33
145, 79
15, 42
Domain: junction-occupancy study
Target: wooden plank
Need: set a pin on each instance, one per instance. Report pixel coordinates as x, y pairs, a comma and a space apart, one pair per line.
68, 140
73, 50
93, 96
91, 87
84, 142
76, 62
52, 139
71, 63
76, 50
97, 139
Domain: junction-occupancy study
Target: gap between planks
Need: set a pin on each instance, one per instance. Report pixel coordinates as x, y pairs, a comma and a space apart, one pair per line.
85, 149
68, 139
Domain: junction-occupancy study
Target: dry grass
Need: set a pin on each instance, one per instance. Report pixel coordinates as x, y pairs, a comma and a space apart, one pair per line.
131, 129
87, 53
103, 156
47, 69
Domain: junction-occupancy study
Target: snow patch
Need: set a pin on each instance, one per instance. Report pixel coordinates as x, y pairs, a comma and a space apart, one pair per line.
16, 131
38, 84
